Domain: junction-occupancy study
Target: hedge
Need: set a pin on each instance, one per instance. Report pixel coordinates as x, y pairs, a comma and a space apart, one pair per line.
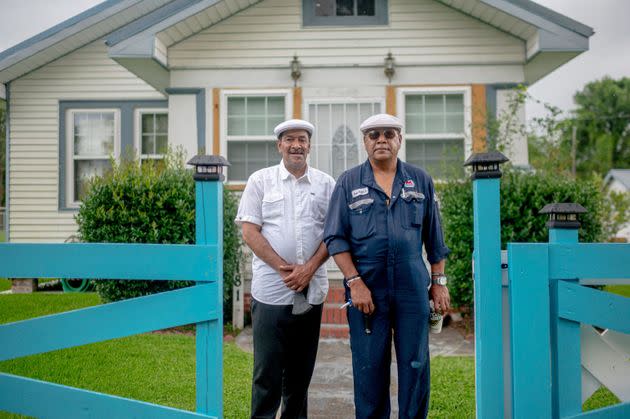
523, 195
152, 203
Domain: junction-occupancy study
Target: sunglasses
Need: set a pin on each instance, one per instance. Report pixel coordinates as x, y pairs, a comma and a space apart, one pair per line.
375, 134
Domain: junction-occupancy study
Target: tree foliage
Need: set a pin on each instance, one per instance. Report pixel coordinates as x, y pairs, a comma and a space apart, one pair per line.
602, 119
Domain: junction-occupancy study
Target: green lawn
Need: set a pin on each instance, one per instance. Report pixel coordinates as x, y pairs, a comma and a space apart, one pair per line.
160, 368
619, 289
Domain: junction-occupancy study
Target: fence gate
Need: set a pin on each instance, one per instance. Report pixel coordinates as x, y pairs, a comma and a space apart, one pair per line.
537, 354
200, 304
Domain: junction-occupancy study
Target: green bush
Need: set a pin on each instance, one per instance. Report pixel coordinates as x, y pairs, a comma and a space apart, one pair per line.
151, 204
523, 195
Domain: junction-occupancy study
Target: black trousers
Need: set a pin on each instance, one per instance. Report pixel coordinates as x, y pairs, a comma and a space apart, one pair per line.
285, 348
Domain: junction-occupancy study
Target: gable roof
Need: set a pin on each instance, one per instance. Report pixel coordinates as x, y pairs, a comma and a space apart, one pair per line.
71, 34
134, 28
620, 175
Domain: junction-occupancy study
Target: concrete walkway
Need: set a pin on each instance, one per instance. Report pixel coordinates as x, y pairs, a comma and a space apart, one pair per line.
331, 393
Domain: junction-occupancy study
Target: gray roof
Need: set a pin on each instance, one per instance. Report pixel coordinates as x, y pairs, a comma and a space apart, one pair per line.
620, 175
555, 17
123, 20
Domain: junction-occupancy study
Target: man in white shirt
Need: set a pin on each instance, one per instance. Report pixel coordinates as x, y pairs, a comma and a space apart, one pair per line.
282, 213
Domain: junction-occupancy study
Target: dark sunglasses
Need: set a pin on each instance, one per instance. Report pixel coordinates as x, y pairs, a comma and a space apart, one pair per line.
375, 134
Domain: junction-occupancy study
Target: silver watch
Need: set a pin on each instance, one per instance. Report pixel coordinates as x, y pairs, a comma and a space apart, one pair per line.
439, 280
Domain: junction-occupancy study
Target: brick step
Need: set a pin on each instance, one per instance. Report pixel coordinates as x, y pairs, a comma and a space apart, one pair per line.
336, 295
331, 314
334, 331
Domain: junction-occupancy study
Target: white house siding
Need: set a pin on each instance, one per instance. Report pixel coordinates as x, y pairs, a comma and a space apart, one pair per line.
420, 32
85, 74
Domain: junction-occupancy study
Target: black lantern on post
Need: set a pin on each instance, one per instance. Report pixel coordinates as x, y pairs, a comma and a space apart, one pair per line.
563, 215
208, 167
486, 165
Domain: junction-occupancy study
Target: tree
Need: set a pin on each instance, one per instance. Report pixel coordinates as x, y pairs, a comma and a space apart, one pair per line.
602, 121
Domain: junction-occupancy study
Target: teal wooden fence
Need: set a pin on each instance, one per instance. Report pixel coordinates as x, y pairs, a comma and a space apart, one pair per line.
200, 304
527, 346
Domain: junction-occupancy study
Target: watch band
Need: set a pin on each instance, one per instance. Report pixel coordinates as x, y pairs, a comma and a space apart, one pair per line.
439, 280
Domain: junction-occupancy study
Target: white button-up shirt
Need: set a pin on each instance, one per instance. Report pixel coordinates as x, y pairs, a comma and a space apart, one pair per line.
291, 213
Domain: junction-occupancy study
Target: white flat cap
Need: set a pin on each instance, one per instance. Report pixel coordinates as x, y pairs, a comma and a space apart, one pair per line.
381, 120
293, 124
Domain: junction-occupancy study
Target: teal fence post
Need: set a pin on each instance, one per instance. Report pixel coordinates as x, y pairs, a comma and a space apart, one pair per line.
209, 230
487, 284
565, 334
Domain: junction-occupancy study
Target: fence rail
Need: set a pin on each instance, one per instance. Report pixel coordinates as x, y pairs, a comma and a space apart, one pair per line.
200, 304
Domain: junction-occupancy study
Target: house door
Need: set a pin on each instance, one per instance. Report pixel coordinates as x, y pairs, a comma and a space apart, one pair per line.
337, 142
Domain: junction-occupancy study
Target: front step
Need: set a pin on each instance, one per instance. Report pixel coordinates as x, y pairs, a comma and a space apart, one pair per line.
334, 319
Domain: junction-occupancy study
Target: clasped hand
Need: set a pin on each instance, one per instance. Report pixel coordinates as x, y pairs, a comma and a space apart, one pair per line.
296, 277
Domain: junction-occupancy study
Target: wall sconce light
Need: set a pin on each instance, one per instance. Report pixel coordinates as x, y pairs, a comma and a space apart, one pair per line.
296, 69
389, 67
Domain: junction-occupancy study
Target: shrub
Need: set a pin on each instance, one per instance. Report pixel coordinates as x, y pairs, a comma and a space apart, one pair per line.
523, 195
152, 203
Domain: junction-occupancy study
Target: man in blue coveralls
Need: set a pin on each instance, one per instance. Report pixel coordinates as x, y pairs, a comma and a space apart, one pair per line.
381, 213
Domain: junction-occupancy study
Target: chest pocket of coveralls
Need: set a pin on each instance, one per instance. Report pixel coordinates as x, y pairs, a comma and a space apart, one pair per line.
273, 208
413, 210
362, 218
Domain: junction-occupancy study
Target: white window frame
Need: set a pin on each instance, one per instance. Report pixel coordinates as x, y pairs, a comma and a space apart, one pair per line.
465, 90
69, 186
340, 101
137, 132
225, 94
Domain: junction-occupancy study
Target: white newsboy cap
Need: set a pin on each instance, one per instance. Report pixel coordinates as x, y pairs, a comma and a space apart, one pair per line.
293, 124
381, 120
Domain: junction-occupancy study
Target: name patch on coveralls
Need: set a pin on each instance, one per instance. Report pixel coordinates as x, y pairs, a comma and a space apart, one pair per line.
359, 192
412, 194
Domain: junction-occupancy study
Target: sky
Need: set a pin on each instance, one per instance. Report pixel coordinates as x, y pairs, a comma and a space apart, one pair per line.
609, 53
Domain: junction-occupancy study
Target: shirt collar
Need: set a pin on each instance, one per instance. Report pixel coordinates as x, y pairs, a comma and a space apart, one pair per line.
285, 174
367, 176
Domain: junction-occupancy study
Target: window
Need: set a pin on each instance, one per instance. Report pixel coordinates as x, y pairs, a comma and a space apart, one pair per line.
436, 130
93, 138
152, 141
249, 119
344, 12
337, 144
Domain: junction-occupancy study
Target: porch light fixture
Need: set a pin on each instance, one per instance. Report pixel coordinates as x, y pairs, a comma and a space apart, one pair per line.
390, 70
564, 215
296, 69
208, 167
486, 165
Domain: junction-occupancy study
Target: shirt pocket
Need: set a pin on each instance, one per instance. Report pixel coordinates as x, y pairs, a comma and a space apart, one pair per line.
272, 207
362, 223
319, 208
413, 210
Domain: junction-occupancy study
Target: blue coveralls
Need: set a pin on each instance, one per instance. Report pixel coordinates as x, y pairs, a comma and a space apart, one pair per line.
386, 246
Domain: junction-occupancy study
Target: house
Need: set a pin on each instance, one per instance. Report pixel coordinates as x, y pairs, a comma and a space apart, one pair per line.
217, 75
618, 181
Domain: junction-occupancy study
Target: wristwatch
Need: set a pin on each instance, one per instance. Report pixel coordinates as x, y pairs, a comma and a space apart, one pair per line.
439, 280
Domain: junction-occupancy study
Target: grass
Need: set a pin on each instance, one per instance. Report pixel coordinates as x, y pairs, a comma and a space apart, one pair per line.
5, 284
452, 387
160, 368
623, 290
